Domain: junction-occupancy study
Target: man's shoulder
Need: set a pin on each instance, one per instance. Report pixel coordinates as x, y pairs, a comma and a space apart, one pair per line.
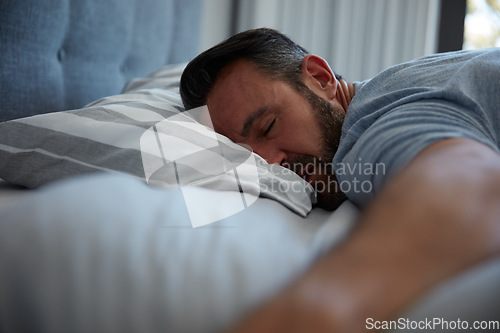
425, 77
402, 110
433, 65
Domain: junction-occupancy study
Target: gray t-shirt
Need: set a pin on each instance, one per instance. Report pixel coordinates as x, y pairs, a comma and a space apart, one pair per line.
407, 107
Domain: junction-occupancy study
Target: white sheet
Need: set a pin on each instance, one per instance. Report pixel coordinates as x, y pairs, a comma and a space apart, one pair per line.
108, 253
105, 253
9, 193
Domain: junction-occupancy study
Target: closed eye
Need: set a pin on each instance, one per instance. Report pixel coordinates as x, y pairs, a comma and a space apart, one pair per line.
269, 127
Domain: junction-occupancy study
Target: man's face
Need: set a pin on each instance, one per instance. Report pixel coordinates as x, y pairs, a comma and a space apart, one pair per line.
298, 130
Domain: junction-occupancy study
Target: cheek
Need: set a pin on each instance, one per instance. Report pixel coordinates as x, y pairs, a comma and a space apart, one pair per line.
312, 135
300, 131
303, 130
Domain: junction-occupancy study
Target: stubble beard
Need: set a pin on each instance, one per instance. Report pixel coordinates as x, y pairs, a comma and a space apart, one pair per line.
330, 119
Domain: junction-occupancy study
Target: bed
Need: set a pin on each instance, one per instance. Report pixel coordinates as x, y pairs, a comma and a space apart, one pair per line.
122, 212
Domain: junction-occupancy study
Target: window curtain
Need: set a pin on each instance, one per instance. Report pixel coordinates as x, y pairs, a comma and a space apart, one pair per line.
358, 38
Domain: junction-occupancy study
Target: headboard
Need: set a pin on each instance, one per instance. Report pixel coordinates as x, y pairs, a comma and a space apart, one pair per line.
62, 54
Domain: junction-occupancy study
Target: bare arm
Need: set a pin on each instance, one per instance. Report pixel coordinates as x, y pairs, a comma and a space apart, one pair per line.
439, 216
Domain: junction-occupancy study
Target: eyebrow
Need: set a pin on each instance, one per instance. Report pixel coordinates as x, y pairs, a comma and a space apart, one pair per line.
247, 126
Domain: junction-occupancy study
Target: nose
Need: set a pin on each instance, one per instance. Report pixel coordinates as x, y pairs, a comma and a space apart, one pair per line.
272, 155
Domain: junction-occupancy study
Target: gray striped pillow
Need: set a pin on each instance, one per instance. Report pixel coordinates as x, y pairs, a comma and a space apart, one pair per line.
106, 135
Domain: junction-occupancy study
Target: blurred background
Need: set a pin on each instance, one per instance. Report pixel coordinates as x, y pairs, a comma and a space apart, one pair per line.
359, 38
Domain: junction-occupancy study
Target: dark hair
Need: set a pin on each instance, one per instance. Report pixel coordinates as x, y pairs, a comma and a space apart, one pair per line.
275, 55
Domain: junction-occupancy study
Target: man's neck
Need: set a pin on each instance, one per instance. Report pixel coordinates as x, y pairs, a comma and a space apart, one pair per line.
345, 94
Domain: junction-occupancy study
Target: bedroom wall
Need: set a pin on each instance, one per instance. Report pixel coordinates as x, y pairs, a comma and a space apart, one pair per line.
358, 38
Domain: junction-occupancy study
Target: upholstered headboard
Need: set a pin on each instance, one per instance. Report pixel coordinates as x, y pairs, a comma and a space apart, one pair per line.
62, 54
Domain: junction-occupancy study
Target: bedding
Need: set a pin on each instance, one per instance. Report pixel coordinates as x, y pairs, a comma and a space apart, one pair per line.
107, 253
119, 133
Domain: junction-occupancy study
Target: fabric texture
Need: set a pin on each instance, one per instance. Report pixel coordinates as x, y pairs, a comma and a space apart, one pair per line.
62, 54
108, 254
406, 108
110, 135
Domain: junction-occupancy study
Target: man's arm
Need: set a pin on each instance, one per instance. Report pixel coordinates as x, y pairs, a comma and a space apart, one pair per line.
440, 215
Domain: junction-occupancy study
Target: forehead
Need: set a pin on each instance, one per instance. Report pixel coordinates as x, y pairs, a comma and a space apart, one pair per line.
239, 80
240, 89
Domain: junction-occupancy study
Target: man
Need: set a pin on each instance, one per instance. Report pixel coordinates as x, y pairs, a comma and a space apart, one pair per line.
431, 210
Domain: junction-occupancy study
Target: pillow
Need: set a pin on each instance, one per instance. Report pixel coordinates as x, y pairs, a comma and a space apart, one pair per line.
167, 77
117, 133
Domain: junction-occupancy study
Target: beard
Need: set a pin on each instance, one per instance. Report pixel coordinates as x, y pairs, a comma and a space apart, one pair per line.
330, 118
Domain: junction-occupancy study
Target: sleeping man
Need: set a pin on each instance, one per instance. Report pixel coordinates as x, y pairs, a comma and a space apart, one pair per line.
416, 147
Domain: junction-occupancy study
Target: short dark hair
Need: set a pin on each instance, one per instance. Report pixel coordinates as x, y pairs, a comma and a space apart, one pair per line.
275, 55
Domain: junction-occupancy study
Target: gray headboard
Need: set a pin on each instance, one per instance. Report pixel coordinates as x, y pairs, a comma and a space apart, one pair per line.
62, 54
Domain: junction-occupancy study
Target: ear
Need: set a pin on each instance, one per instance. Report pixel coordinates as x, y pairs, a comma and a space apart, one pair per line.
319, 77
